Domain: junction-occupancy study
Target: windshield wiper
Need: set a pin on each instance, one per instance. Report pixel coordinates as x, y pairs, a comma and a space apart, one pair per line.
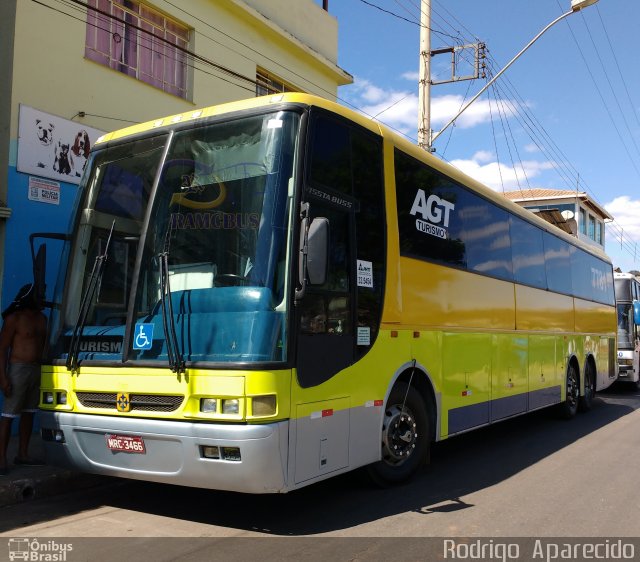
85, 303
174, 356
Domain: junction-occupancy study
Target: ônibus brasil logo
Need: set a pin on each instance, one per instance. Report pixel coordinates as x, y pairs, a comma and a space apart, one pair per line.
435, 213
38, 550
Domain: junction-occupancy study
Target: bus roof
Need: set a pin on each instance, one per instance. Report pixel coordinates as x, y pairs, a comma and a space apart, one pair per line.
199, 115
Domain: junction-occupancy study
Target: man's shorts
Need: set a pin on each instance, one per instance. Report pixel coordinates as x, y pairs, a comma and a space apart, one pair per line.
25, 389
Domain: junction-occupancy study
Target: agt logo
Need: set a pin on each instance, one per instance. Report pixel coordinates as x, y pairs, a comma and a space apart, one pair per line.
435, 213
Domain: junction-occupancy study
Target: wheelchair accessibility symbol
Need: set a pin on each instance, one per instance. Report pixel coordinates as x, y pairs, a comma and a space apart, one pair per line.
143, 336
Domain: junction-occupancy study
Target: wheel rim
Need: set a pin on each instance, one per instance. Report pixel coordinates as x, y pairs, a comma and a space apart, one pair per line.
589, 387
399, 435
573, 391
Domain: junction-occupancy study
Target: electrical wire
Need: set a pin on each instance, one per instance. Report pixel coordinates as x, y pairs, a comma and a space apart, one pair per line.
154, 39
633, 107
563, 167
389, 12
235, 40
194, 57
175, 58
560, 161
500, 109
604, 102
495, 145
464, 100
613, 92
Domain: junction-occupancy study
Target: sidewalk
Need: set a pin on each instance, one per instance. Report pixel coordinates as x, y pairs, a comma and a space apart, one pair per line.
24, 483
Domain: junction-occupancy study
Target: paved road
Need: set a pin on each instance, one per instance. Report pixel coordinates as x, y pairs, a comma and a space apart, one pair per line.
536, 475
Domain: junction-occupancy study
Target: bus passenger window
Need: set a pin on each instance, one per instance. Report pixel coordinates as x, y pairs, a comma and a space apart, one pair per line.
313, 315
338, 316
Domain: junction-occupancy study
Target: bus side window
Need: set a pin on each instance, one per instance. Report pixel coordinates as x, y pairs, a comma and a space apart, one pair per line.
323, 314
313, 319
326, 309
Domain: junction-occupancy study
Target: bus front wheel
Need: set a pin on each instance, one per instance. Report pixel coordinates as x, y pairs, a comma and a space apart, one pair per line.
405, 437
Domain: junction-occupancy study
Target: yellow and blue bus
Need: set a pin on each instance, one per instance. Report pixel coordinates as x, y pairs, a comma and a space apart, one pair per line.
260, 295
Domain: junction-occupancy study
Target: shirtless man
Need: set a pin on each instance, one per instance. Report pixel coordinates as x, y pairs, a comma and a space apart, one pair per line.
22, 340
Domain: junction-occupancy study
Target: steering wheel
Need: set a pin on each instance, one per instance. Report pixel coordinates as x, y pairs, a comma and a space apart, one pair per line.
231, 280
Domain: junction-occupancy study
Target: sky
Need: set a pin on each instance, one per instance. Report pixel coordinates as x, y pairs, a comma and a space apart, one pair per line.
565, 115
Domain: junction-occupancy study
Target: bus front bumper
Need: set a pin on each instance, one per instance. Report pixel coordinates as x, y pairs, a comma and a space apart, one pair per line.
251, 458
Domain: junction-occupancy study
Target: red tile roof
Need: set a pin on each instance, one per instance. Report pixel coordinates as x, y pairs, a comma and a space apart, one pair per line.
538, 193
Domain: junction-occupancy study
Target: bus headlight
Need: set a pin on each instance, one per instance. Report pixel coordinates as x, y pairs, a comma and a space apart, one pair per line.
264, 405
61, 398
47, 397
230, 406
209, 405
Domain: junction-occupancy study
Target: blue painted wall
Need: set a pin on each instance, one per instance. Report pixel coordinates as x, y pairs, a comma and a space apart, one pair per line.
28, 217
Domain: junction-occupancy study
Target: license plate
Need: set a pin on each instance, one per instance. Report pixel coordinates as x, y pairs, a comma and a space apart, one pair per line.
126, 443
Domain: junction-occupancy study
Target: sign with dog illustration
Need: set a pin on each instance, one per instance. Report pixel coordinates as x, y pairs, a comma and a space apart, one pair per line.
53, 147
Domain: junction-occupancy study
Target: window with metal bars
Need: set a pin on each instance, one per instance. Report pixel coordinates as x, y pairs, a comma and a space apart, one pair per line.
134, 39
267, 83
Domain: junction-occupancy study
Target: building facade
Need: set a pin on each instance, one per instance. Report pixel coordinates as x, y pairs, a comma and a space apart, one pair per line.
75, 69
573, 211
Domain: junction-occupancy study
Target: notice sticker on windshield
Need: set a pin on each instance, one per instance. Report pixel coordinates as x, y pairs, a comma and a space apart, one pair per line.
274, 124
364, 335
365, 274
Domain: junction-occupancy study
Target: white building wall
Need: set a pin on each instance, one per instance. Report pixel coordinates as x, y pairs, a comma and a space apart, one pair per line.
305, 20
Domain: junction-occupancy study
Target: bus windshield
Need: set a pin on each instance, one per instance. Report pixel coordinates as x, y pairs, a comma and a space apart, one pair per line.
193, 227
624, 297
625, 323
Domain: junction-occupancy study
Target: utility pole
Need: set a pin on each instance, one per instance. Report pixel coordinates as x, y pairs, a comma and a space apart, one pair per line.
425, 134
427, 140
424, 92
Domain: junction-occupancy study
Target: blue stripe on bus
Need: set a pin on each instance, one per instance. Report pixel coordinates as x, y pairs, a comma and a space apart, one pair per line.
467, 417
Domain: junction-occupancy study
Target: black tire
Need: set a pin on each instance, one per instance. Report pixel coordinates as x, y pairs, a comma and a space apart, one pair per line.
569, 407
586, 400
406, 437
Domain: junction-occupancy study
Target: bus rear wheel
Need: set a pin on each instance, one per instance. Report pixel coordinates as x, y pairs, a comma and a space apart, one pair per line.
406, 438
586, 402
569, 407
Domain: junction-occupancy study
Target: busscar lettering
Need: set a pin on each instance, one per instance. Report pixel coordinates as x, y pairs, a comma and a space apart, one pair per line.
330, 198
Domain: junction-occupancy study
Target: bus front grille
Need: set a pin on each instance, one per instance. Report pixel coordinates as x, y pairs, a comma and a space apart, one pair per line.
139, 402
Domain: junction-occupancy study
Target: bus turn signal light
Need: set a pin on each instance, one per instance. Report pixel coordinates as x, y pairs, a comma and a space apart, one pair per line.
264, 405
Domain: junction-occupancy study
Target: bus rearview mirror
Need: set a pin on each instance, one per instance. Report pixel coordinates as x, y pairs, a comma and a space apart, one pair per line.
317, 251
636, 312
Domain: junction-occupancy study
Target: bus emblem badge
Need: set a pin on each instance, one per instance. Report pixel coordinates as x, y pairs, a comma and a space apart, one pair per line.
123, 404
